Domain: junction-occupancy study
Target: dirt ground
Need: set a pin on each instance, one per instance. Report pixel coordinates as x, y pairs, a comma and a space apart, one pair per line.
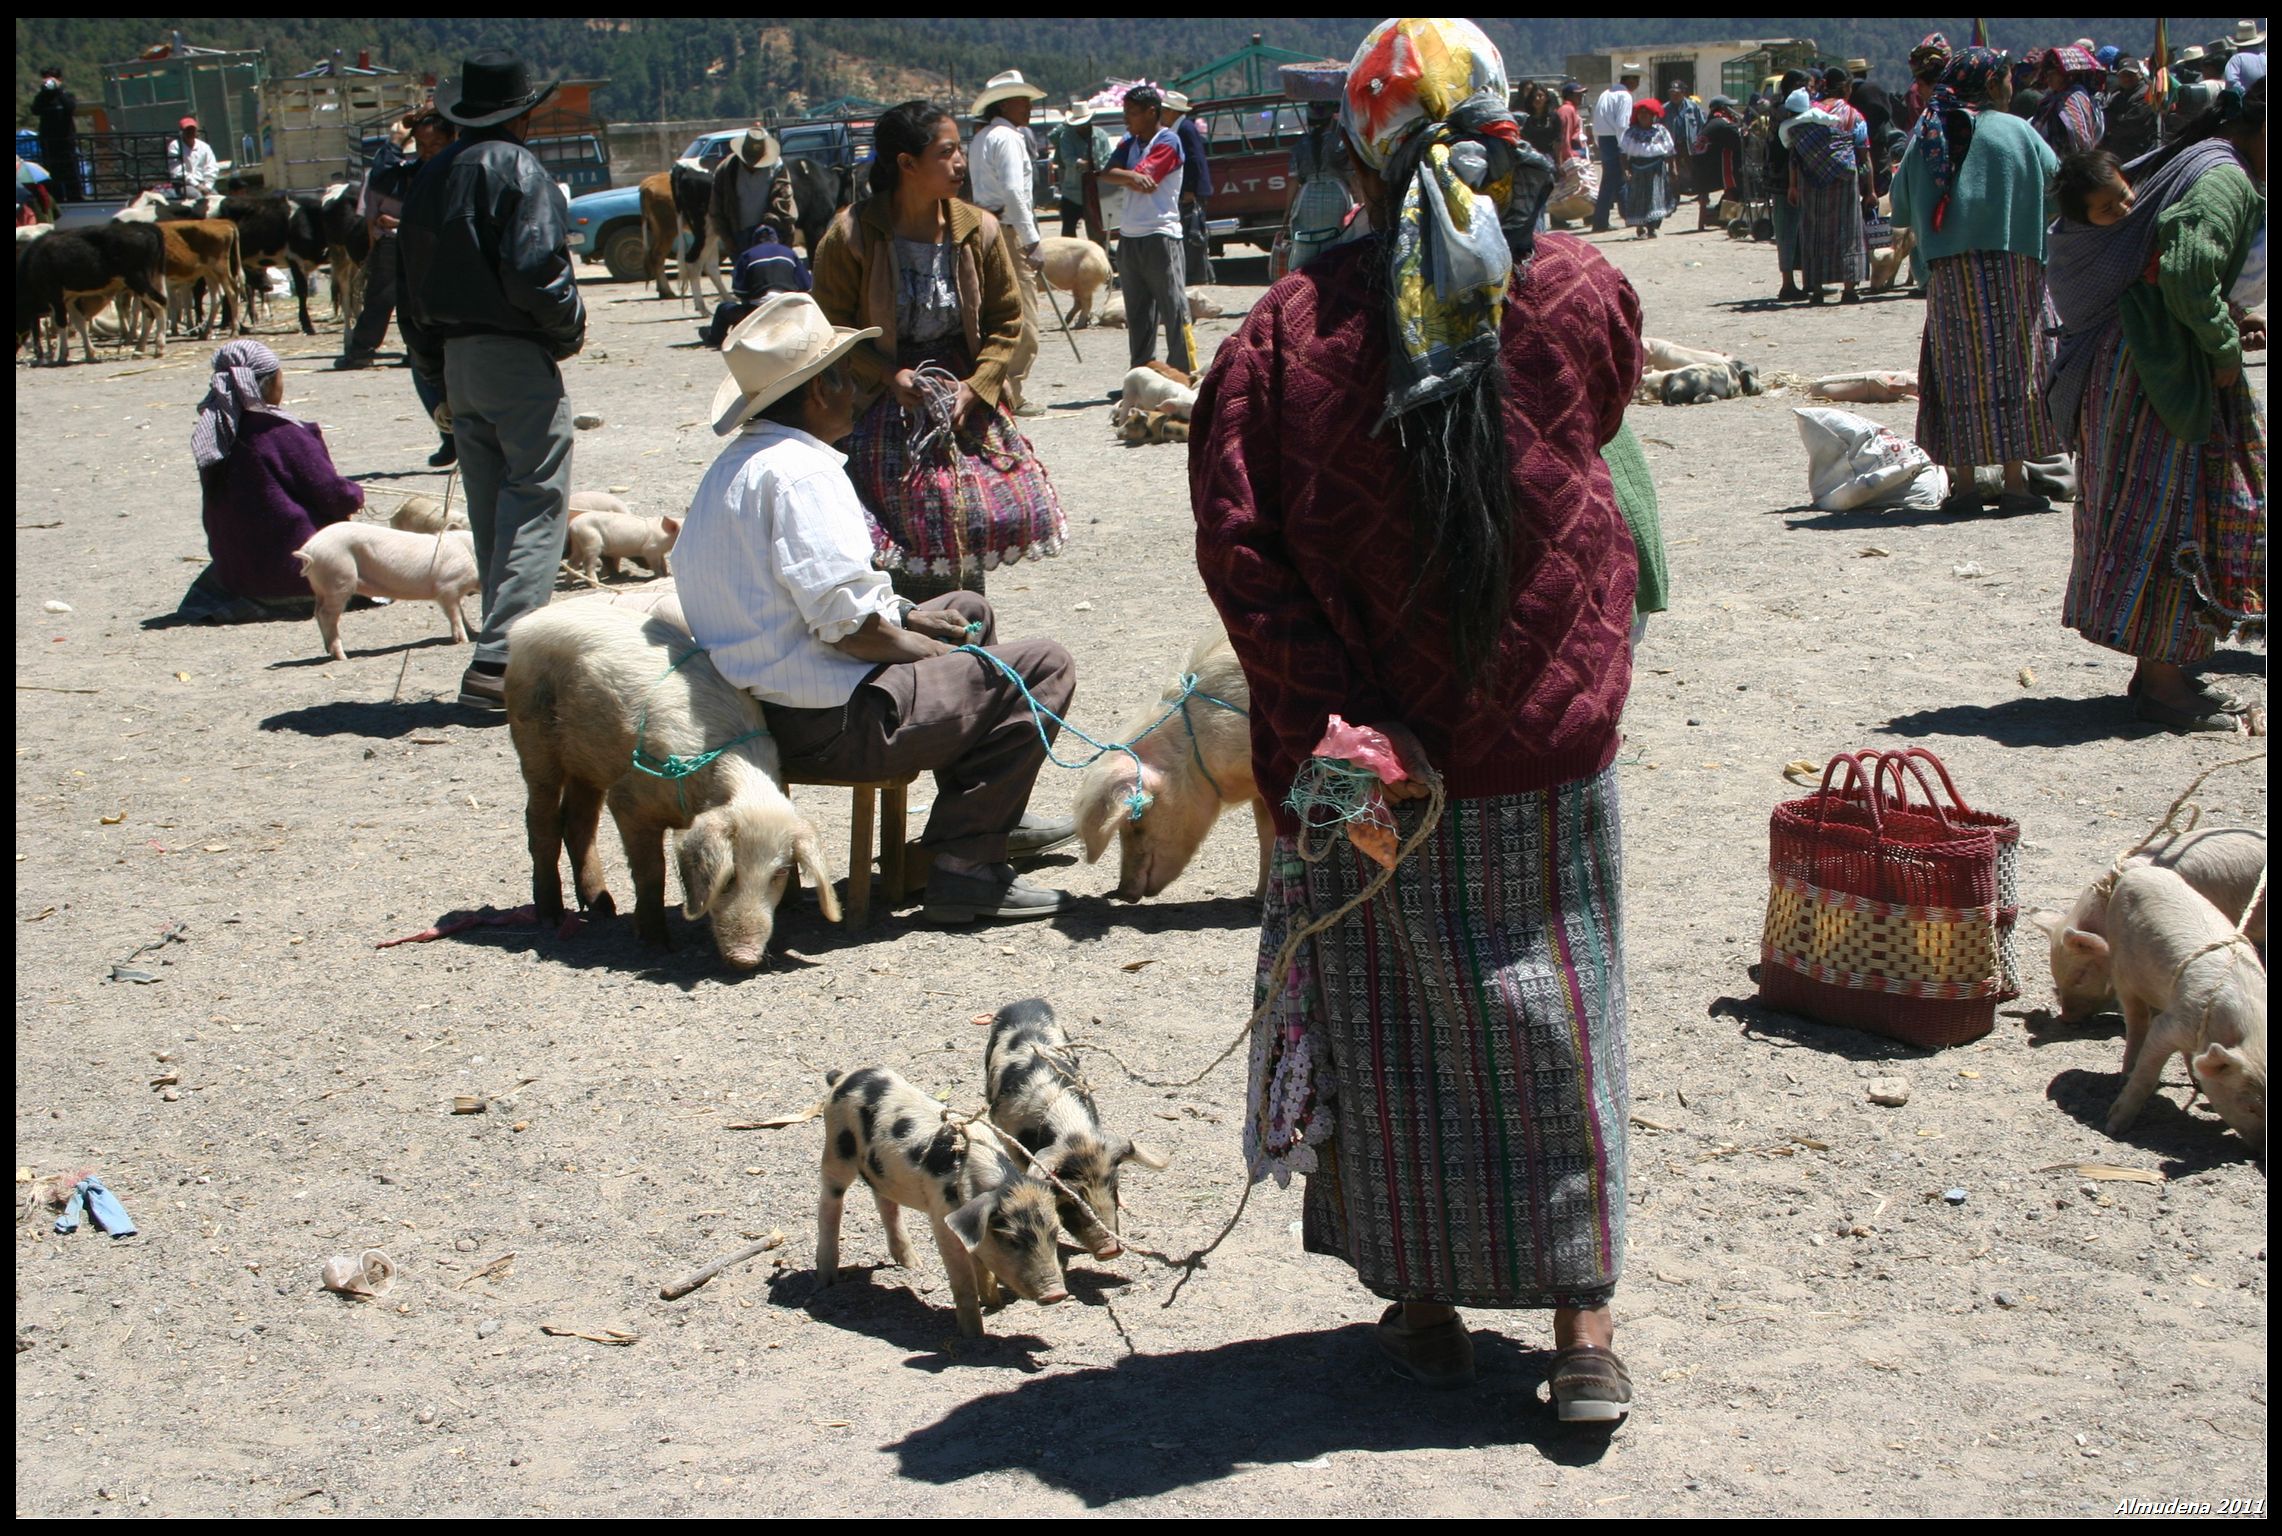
1811, 1327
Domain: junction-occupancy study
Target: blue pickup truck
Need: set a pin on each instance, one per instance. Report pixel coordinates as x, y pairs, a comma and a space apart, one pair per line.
607, 226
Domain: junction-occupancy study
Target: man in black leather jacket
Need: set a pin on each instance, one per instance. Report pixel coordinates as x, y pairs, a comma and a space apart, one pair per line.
488, 307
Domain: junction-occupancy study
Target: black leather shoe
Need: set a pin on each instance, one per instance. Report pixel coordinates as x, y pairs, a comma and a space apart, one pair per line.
446, 456
1036, 836
961, 898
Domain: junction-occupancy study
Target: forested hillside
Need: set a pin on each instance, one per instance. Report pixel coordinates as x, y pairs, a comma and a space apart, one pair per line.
731, 67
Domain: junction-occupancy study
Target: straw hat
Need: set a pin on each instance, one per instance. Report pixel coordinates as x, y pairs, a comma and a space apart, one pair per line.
1080, 114
2247, 35
758, 146
1858, 66
1004, 87
782, 344
1175, 104
1623, 70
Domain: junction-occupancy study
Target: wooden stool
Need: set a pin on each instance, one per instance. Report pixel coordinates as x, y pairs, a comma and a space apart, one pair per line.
891, 839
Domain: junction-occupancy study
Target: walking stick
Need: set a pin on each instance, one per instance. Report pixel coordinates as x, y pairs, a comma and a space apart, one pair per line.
1048, 289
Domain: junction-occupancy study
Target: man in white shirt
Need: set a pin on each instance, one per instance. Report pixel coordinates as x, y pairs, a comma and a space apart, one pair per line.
774, 572
1612, 114
1151, 268
1001, 168
191, 164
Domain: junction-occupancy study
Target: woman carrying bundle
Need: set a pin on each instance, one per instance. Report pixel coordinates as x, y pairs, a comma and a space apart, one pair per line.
1647, 150
952, 486
2072, 115
1829, 145
1404, 520
2147, 386
1972, 188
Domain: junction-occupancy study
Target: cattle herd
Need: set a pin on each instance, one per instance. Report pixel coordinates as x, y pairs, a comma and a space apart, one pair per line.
183, 266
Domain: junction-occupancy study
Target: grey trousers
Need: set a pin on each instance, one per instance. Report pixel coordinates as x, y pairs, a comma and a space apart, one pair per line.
513, 425
1152, 275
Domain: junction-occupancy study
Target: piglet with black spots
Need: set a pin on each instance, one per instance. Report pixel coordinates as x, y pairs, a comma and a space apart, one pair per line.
993, 1220
1038, 1097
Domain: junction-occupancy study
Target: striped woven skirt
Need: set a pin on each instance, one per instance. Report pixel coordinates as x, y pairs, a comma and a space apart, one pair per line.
1831, 248
1446, 1067
2170, 553
1978, 365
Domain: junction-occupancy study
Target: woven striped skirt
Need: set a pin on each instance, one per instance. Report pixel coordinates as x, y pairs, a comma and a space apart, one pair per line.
1446, 1067
1830, 235
2170, 553
1984, 347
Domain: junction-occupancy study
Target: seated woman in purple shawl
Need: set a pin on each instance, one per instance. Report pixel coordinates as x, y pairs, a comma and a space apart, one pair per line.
267, 485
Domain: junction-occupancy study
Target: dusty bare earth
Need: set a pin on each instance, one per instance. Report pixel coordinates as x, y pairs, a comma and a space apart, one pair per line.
1812, 1328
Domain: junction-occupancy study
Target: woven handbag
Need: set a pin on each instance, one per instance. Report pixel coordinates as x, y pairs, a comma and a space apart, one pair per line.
2008, 835
1878, 917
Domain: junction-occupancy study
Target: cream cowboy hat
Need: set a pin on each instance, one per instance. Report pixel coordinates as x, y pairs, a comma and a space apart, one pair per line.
782, 344
765, 140
1005, 87
1175, 103
1080, 114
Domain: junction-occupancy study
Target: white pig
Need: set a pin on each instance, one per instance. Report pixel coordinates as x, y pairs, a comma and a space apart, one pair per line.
599, 540
992, 1220
583, 502
1155, 387
1194, 766
2189, 985
421, 514
1038, 1096
1080, 269
345, 560
2223, 864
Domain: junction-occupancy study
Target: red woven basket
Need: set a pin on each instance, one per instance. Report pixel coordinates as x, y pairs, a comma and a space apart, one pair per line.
1880, 917
2004, 829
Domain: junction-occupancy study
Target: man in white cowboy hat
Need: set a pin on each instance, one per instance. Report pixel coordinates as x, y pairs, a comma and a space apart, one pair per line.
488, 305
1196, 186
1081, 147
752, 186
774, 571
999, 167
1612, 115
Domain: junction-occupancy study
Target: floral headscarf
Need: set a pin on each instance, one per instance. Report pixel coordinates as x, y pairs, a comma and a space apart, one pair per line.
1930, 57
1966, 78
235, 388
1426, 108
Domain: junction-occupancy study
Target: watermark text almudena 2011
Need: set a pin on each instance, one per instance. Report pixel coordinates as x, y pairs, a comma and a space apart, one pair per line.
2129, 1506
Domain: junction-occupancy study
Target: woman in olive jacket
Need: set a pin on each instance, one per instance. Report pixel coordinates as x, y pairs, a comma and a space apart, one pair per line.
953, 488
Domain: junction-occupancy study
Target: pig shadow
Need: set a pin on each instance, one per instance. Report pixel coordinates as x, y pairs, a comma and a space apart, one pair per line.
374, 720
1771, 1026
2188, 1142
2045, 1027
881, 1301
1154, 1423
322, 660
2051, 721
610, 944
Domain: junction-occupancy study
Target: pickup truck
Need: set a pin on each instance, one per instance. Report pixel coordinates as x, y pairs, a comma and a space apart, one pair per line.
607, 226
1249, 140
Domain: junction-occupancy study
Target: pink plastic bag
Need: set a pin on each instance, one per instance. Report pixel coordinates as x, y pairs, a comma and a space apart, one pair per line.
1360, 748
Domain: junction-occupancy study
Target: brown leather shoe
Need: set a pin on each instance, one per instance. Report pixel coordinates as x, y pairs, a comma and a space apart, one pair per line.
1590, 1385
1438, 1355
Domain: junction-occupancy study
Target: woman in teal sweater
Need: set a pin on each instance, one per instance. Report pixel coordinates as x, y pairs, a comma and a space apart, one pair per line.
2170, 547
1973, 187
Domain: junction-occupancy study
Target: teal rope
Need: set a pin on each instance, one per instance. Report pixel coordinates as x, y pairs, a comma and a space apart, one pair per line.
1138, 801
679, 767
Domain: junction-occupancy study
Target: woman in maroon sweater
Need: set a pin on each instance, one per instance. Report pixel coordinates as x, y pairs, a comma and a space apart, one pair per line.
266, 485
1410, 526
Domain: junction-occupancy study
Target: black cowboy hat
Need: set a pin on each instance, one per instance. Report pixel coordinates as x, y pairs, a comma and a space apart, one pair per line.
492, 87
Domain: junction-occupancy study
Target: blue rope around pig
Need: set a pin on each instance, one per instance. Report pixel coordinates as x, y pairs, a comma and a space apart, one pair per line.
1138, 800
677, 768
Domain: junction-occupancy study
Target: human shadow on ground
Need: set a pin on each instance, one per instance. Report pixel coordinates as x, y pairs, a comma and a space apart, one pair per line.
2235, 664
1870, 519
1772, 1026
1154, 1423
2188, 1142
376, 720
2050, 721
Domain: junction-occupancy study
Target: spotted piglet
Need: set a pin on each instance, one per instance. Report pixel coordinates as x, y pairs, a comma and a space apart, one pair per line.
993, 1221
1038, 1097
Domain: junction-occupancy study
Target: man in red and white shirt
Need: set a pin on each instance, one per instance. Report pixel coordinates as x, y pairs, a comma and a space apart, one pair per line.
1151, 270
